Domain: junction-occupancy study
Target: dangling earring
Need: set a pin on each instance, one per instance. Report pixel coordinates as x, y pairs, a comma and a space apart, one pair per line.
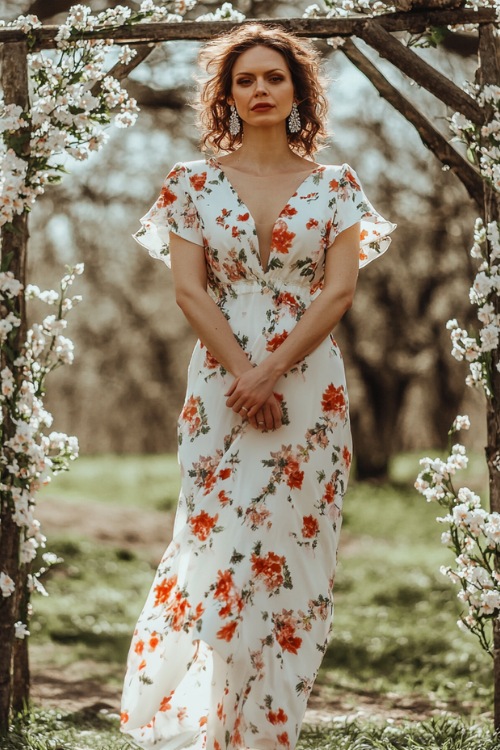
294, 123
234, 121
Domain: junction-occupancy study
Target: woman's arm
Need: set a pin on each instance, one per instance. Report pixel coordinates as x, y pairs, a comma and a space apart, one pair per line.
251, 387
190, 281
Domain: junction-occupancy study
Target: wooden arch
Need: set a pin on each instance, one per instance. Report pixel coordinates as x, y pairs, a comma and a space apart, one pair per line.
414, 16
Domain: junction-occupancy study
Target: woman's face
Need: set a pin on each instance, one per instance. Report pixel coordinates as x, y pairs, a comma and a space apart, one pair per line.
262, 87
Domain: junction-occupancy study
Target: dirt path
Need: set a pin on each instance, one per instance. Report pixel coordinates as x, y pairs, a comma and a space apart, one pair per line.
147, 534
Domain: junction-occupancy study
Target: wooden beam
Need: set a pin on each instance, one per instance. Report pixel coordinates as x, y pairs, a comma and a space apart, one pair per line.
421, 72
319, 28
431, 137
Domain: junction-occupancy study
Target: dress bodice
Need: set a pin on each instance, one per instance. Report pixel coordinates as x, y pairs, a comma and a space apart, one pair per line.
199, 203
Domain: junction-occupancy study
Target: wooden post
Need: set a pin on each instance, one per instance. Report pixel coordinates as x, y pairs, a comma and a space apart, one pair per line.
489, 73
14, 79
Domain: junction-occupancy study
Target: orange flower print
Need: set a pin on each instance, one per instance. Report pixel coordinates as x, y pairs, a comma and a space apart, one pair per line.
203, 720
190, 414
277, 717
224, 585
139, 647
288, 210
224, 473
194, 416
312, 223
181, 713
310, 527
334, 184
164, 589
333, 400
329, 495
285, 298
284, 631
283, 739
243, 217
351, 179
362, 255
270, 568
226, 632
202, 525
276, 341
210, 362
293, 474
153, 641
282, 239
198, 181
363, 234
165, 702
346, 456
167, 197
223, 498
124, 717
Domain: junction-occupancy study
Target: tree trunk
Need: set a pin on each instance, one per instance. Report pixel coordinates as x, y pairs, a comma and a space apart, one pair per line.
14, 79
489, 73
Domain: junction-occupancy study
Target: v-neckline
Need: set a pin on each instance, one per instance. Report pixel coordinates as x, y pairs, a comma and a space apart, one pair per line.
214, 163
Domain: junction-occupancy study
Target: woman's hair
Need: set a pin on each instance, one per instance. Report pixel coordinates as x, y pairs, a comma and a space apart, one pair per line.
217, 58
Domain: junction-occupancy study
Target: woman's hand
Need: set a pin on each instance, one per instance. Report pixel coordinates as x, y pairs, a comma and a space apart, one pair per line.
251, 396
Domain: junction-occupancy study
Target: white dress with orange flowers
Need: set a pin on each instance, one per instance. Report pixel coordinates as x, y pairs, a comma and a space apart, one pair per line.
235, 626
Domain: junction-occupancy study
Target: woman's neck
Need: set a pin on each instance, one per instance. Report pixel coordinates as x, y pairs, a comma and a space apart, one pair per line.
263, 152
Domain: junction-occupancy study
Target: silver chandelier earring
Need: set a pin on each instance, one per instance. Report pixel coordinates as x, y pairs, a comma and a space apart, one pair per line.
234, 121
294, 123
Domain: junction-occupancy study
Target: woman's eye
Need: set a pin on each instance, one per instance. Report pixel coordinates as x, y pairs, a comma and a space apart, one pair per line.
243, 81
276, 79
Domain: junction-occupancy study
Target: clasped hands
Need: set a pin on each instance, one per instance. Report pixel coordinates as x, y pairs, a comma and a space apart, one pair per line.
251, 396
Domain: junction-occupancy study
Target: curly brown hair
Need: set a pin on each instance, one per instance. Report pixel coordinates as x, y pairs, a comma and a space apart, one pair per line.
217, 58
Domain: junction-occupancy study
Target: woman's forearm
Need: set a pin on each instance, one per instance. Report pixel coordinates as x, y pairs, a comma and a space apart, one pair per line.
213, 330
313, 328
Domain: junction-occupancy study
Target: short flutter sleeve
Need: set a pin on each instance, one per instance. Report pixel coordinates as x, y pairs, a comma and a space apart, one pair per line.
352, 206
173, 210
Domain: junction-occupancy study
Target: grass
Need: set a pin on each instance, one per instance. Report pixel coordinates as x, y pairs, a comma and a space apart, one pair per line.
54, 730
395, 637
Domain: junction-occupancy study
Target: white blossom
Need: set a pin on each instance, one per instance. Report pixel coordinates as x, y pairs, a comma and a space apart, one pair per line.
21, 630
7, 585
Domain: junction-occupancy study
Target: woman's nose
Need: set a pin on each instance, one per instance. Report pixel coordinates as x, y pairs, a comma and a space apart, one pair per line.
261, 86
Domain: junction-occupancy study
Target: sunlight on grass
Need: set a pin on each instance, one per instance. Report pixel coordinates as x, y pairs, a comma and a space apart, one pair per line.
140, 481
54, 730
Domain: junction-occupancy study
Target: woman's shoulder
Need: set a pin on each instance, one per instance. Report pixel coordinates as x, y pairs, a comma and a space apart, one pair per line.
339, 168
195, 165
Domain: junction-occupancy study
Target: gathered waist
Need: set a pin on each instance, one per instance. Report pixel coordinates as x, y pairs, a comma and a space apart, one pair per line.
264, 287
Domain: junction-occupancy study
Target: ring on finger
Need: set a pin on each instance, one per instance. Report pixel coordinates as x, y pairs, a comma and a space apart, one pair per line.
244, 408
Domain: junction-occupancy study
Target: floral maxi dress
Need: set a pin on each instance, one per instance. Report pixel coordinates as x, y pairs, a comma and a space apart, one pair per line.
237, 620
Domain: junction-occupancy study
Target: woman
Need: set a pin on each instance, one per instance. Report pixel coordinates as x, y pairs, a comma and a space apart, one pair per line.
265, 246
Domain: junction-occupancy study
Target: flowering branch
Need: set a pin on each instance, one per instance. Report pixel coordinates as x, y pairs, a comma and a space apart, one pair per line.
29, 457
473, 536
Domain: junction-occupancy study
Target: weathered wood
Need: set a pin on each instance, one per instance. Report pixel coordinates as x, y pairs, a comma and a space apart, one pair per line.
489, 72
420, 71
431, 137
14, 81
319, 28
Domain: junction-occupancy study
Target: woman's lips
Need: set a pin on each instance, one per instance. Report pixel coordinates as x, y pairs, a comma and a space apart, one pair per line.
262, 107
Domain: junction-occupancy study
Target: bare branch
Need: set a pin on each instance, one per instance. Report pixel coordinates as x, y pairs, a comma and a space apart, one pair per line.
431, 137
122, 70
421, 72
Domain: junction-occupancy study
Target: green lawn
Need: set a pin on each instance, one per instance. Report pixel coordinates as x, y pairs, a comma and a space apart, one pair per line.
395, 635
